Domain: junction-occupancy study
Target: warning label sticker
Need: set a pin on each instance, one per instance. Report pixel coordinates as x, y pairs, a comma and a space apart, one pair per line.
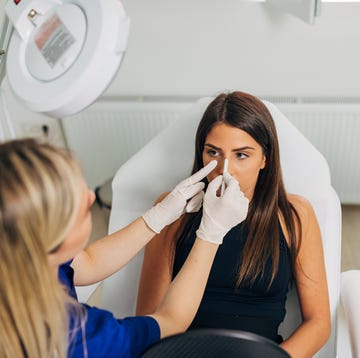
53, 39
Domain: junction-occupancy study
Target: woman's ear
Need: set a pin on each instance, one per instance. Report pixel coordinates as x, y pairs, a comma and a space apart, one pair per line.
263, 164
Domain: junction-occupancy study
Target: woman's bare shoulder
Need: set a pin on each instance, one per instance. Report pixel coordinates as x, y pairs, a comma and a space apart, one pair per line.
302, 206
297, 200
304, 211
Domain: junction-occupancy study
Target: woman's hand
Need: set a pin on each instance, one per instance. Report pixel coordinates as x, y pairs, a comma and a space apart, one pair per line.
221, 213
176, 202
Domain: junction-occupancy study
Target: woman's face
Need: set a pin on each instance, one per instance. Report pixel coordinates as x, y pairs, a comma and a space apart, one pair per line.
245, 155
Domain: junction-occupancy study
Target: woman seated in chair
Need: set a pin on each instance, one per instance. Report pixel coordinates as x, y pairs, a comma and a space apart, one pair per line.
279, 243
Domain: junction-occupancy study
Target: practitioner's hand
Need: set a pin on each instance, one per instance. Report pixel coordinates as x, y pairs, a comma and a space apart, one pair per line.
222, 213
176, 202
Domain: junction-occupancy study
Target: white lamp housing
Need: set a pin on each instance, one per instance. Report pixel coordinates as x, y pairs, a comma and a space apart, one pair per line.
64, 53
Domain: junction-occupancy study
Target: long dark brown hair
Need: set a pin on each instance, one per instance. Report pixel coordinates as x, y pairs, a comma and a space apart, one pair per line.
248, 113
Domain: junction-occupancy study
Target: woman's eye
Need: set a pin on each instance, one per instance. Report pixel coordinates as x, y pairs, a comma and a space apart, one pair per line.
241, 155
212, 152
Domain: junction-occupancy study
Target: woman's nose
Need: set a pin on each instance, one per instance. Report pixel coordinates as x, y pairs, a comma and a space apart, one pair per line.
219, 167
224, 166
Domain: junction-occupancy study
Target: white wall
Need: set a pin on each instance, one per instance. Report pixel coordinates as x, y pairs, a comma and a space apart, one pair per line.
205, 46
27, 123
201, 47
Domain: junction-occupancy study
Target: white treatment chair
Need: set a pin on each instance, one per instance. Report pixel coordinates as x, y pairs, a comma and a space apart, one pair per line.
167, 159
350, 295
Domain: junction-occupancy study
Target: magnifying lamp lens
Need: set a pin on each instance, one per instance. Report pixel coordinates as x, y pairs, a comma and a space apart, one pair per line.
55, 45
68, 56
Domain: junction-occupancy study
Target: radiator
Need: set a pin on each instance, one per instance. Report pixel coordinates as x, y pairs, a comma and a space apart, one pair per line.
106, 134
334, 129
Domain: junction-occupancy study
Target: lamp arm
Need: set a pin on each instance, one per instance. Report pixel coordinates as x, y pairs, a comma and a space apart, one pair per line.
5, 34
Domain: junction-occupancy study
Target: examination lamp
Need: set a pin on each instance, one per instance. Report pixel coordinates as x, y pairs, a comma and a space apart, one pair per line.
62, 54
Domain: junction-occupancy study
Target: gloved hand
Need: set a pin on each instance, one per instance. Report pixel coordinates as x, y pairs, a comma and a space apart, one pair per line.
220, 214
176, 202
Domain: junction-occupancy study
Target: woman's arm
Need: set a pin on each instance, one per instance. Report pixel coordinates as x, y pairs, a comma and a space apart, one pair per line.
220, 214
108, 255
311, 284
183, 297
156, 270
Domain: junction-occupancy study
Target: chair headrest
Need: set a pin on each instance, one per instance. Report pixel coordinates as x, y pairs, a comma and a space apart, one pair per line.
168, 158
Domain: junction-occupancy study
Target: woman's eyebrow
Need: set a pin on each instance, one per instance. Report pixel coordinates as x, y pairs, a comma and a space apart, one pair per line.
212, 146
246, 147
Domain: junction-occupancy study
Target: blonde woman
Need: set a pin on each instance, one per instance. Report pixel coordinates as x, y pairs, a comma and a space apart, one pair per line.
45, 223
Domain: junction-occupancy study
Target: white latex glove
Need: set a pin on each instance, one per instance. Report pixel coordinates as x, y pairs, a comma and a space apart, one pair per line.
176, 202
220, 214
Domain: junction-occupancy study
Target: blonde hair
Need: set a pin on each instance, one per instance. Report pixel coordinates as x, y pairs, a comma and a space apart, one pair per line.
40, 193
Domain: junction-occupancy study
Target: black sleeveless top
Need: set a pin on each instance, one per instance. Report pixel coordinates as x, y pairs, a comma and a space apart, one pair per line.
255, 308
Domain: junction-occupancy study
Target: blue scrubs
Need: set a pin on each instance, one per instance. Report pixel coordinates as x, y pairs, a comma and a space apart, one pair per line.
103, 335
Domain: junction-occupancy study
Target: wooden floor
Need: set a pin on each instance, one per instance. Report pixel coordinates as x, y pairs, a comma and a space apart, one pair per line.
350, 246
350, 260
